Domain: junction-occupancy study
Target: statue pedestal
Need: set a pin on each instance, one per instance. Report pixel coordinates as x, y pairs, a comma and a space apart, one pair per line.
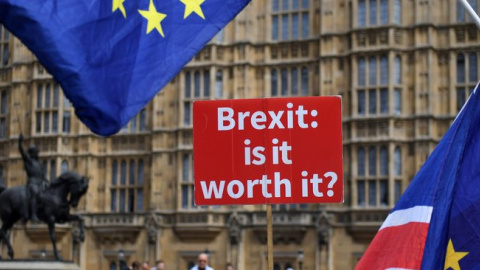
37, 265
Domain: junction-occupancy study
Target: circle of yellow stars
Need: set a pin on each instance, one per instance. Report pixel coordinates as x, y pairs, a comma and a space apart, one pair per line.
155, 18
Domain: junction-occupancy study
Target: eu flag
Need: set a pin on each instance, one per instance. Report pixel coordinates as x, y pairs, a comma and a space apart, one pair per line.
436, 222
112, 56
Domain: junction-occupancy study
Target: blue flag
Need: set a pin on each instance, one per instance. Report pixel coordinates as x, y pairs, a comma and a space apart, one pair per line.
436, 222
112, 56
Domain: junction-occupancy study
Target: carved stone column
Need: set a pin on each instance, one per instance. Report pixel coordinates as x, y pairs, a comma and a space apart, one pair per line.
152, 226
323, 226
234, 225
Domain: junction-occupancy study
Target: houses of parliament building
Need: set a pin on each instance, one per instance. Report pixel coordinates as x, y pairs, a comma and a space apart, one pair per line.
404, 69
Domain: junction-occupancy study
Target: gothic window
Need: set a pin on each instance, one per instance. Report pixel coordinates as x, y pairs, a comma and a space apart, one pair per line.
461, 13
372, 189
219, 84
304, 81
4, 46
3, 113
49, 112
383, 70
397, 11
290, 19
376, 12
289, 83
220, 37
361, 162
374, 99
467, 76
187, 184
2, 182
383, 161
372, 71
64, 166
397, 70
397, 161
372, 12
274, 86
362, 13
127, 186
397, 101
372, 161
361, 71
200, 82
383, 12
137, 124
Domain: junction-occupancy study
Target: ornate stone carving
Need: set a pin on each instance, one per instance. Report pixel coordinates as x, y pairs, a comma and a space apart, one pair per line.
324, 227
152, 224
234, 229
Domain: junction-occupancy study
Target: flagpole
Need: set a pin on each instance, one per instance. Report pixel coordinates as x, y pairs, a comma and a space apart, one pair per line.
471, 12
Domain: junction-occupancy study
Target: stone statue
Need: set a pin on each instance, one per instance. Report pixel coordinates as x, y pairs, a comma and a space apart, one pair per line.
53, 206
36, 181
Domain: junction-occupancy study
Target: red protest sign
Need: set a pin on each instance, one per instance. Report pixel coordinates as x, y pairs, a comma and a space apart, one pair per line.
277, 150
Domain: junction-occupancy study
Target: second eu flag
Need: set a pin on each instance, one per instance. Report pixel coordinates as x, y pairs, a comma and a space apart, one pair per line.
112, 56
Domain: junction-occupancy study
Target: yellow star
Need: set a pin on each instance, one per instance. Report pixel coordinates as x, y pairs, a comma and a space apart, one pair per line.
154, 18
118, 4
452, 257
193, 6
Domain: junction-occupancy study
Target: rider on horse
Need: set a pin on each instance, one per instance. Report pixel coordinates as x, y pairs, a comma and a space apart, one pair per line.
36, 181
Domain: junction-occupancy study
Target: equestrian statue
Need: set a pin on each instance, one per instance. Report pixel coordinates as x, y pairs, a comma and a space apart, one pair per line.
41, 200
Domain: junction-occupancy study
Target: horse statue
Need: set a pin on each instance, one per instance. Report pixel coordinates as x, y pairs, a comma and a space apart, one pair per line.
53, 206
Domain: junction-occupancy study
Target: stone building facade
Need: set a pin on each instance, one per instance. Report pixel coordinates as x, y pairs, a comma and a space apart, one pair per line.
404, 68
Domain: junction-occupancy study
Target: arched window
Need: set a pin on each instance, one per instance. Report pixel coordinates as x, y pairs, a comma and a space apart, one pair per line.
4, 103
114, 173
53, 170
64, 166
460, 68
219, 84
372, 71
472, 68
206, 83
188, 85
113, 202
141, 172
113, 266
383, 70
123, 173
196, 84
186, 167
372, 12
132, 172
294, 81
284, 81
397, 73
1, 176
274, 83
143, 120
361, 162
362, 13
383, 12
39, 96
304, 81
397, 11
361, 71
220, 37
397, 161
460, 12
372, 161
383, 161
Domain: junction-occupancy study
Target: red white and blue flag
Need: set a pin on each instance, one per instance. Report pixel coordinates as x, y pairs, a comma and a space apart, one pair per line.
436, 222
